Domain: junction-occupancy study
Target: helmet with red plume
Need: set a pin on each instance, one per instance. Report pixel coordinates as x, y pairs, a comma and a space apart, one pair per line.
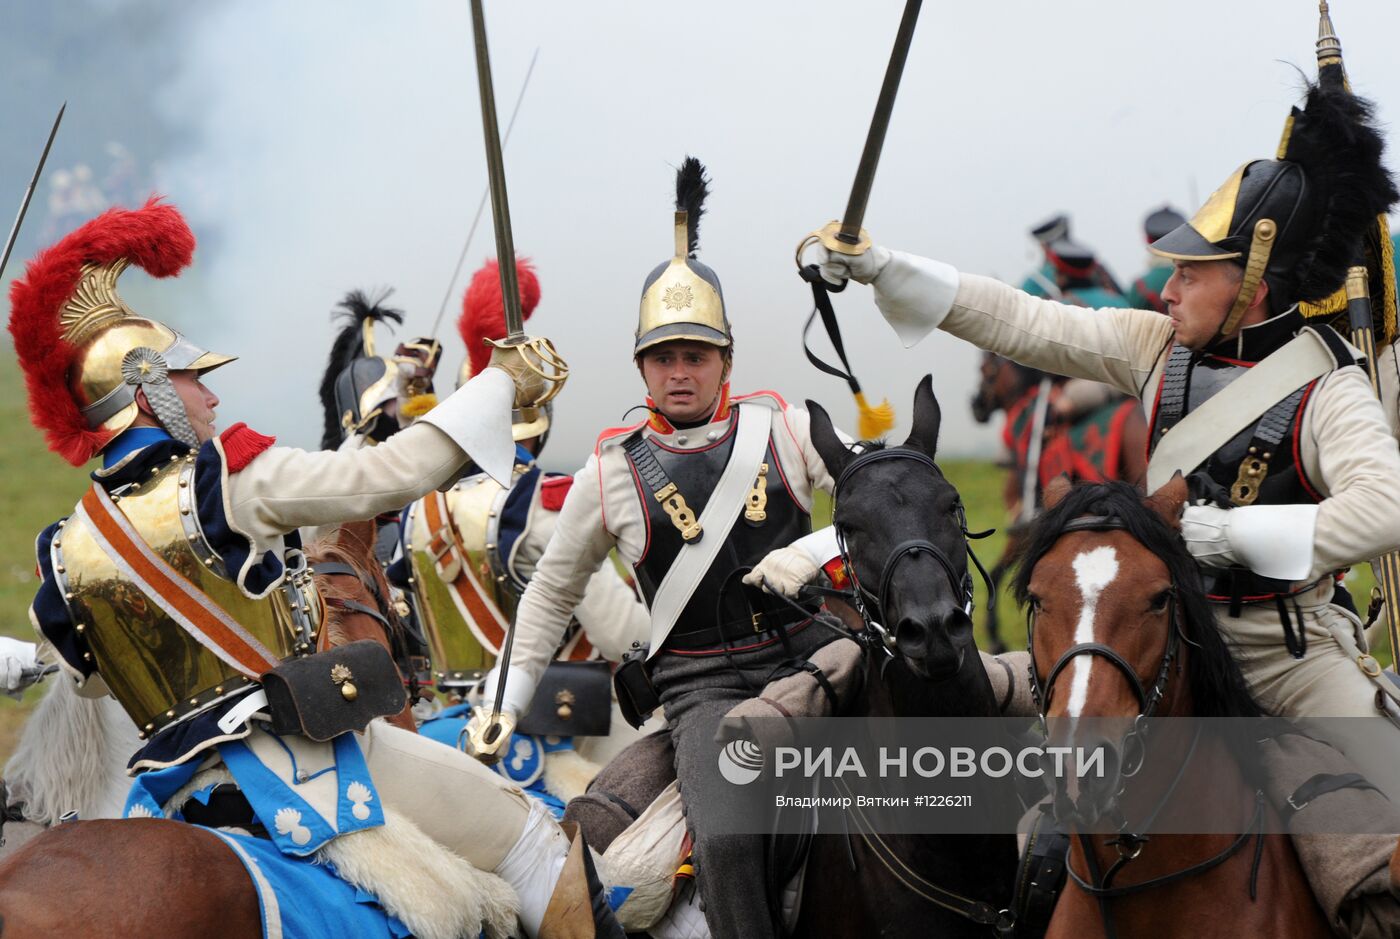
484, 317
84, 352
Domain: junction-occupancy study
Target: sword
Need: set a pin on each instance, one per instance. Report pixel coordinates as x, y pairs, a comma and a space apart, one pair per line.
537, 369
481, 206
848, 237
29, 192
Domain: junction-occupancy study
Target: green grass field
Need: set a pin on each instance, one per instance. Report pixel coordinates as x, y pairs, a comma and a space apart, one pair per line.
36, 487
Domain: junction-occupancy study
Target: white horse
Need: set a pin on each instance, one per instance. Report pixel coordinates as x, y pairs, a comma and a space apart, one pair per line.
71, 759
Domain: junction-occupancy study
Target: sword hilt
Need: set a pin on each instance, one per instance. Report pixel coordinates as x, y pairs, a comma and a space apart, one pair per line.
832, 238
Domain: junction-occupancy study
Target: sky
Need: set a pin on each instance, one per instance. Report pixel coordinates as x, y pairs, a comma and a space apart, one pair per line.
322, 146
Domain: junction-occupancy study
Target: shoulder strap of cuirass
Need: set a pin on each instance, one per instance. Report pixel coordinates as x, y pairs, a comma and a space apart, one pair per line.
1190, 443
192, 609
720, 513
483, 617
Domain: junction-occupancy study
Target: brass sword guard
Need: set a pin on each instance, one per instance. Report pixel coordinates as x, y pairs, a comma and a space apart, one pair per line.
536, 366
828, 237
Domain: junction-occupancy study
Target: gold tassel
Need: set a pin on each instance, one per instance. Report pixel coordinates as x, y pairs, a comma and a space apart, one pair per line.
874, 421
418, 405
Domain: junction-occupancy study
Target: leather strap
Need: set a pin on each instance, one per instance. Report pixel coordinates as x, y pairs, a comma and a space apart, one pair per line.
722, 510
1199, 434
192, 609
486, 621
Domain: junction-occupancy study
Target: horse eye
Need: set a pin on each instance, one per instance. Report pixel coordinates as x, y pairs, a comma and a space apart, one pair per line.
1161, 600
1036, 605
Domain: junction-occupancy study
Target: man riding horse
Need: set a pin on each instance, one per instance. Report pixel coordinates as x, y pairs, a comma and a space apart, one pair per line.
471, 551
1295, 477
178, 584
707, 485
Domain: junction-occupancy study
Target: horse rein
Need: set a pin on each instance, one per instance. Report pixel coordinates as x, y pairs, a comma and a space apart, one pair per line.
1128, 844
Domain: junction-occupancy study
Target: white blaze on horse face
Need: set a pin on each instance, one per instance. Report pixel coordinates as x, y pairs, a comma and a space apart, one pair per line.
1093, 571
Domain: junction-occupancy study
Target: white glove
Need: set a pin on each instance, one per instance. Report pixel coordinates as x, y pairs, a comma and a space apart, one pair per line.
914, 294
1271, 540
18, 667
520, 691
788, 569
861, 268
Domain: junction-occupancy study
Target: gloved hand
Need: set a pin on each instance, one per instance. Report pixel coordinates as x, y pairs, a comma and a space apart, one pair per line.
18, 667
783, 571
474, 742
1206, 531
861, 268
786, 570
913, 294
1274, 541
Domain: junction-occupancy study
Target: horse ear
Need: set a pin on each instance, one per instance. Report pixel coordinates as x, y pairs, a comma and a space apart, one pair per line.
833, 452
1057, 489
923, 436
1170, 501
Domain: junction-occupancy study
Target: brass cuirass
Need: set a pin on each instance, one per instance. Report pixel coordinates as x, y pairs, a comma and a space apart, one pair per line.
460, 580
156, 670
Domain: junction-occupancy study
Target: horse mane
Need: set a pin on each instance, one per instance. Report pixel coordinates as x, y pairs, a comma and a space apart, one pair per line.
350, 543
1218, 687
72, 756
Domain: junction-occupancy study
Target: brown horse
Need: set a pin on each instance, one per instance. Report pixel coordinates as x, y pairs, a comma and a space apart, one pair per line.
1120, 628
153, 877
1104, 442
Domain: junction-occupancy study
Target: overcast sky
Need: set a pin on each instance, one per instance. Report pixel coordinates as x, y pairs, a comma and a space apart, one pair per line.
319, 146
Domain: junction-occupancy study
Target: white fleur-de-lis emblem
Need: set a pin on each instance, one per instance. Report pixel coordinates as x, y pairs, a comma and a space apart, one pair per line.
288, 823
519, 754
139, 811
360, 794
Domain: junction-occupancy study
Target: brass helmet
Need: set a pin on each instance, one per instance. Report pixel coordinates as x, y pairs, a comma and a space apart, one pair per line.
1295, 222
682, 298
85, 353
484, 317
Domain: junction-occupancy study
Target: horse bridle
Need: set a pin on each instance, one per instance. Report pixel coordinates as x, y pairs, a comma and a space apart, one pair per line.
1128, 844
1147, 699
876, 631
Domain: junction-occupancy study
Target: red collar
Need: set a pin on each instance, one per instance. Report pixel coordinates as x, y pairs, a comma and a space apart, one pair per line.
661, 425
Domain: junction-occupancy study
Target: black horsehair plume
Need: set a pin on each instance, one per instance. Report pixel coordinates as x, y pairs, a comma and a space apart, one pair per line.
1335, 139
356, 308
692, 186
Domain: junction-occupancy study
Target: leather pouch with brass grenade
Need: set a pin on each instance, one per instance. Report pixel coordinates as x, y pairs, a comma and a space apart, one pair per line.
636, 695
573, 699
324, 695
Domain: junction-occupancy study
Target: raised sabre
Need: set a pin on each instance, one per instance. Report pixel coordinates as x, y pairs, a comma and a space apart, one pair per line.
29, 192
848, 237
539, 371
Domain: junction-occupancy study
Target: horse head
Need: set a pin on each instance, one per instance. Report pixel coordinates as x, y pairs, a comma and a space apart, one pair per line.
1001, 382
1117, 616
902, 530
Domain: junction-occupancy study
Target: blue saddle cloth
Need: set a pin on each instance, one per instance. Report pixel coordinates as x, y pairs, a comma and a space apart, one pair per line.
303, 900
523, 763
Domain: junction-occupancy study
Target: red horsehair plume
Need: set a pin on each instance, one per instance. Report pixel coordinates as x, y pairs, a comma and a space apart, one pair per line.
155, 238
484, 314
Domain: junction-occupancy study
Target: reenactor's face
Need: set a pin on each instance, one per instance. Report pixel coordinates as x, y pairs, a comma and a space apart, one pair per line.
199, 402
1199, 295
684, 378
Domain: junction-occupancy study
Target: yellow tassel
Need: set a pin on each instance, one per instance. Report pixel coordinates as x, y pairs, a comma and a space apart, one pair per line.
874, 421
418, 405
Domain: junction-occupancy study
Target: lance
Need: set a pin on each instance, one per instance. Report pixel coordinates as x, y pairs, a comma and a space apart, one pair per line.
1361, 322
539, 372
846, 236
29, 192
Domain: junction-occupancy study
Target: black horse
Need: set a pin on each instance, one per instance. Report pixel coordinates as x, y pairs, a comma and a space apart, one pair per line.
904, 536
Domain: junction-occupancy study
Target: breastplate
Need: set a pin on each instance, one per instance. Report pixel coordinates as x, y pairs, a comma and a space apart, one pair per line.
464, 590
157, 671
696, 473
